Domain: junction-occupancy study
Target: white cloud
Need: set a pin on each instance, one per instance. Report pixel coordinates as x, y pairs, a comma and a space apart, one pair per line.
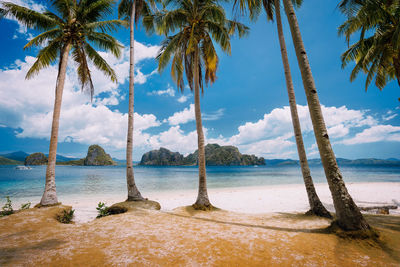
389, 115
182, 99
279, 147
272, 136
183, 116
168, 92
175, 139
188, 114
216, 115
377, 133
28, 104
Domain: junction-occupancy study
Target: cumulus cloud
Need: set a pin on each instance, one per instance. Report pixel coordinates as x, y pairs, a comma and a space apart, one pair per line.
272, 136
183, 116
182, 99
28, 104
377, 133
175, 139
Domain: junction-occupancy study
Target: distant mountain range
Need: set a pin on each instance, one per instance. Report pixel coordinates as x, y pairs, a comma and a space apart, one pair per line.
18, 158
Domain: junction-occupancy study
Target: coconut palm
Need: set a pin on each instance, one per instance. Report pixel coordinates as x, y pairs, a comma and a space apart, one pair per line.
348, 214
196, 25
272, 7
377, 52
316, 206
72, 29
133, 11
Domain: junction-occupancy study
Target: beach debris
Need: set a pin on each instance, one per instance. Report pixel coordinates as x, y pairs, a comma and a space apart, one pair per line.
380, 209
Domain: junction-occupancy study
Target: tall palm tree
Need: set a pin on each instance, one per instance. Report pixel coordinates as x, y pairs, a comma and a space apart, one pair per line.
77, 24
348, 214
316, 206
271, 7
132, 11
196, 24
377, 52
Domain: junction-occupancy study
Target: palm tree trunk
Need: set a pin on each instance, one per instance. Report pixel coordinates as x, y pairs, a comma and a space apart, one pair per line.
316, 206
202, 202
50, 194
133, 192
348, 214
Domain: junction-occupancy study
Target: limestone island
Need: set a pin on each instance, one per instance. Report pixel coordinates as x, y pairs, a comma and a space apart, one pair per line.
36, 159
96, 156
216, 155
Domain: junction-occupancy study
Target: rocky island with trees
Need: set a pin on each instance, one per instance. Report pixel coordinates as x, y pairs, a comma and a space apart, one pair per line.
96, 156
216, 155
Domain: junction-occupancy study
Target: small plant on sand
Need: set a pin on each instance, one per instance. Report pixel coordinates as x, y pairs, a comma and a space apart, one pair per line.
25, 206
66, 216
7, 208
102, 210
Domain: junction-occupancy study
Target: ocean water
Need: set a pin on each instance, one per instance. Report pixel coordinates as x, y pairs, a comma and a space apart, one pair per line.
110, 180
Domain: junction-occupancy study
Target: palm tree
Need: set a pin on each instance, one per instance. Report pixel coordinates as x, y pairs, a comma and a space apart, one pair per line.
76, 24
271, 7
316, 206
348, 214
377, 52
132, 11
196, 24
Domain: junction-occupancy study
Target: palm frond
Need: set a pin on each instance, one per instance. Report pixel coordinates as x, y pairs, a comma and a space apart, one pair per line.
28, 17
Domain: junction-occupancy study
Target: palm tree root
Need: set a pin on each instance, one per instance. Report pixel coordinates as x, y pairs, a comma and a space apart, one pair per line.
320, 212
136, 198
203, 207
40, 205
363, 234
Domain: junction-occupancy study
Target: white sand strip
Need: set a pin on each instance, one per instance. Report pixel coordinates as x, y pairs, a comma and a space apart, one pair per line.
261, 199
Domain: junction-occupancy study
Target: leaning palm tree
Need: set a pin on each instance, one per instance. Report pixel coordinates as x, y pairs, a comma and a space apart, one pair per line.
272, 7
377, 52
77, 24
348, 214
133, 11
316, 206
196, 24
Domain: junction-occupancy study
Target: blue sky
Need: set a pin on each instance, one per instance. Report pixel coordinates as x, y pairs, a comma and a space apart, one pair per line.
246, 107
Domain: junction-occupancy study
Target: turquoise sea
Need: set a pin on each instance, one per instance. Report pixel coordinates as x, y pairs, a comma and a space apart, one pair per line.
86, 181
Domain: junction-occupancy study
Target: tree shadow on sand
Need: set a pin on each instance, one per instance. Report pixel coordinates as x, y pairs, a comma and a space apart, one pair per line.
7, 255
192, 214
388, 225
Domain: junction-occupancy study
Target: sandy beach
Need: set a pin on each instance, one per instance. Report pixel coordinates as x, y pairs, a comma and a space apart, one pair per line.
252, 200
185, 237
256, 226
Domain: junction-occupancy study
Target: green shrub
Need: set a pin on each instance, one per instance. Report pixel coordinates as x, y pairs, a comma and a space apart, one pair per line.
66, 216
102, 210
7, 208
25, 206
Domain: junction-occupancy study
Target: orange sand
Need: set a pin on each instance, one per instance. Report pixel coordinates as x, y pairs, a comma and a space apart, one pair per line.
187, 237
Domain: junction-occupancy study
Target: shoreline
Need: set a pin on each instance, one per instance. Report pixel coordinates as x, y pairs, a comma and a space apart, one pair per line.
250, 200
